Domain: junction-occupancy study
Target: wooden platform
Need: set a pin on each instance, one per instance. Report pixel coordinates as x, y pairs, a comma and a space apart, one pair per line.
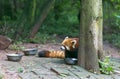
32, 67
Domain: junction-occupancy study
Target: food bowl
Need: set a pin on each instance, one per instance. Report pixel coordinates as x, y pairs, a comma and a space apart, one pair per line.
71, 61
30, 51
14, 57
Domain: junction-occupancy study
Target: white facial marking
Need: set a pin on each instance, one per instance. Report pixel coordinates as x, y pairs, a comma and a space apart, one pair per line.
67, 48
62, 47
74, 43
73, 46
66, 37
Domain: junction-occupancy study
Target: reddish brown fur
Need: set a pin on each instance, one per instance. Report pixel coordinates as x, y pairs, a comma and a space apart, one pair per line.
70, 46
68, 42
52, 54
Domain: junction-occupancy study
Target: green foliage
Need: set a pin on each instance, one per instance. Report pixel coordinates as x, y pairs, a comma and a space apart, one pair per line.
17, 21
113, 39
17, 18
44, 38
1, 76
39, 38
63, 20
106, 66
112, 21
17, 46
20, 70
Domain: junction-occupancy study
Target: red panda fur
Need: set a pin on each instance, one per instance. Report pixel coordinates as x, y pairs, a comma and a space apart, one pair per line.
69, 42
70, 46
52, 54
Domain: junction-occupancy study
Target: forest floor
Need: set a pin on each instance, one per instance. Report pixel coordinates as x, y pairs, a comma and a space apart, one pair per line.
33, 67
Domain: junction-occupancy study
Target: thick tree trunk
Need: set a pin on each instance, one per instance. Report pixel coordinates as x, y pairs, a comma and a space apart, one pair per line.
90, 35
44, 14
100, 36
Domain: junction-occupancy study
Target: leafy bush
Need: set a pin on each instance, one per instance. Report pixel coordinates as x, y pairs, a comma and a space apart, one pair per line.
113, 39
106, 66
16, 46
39, 38
1, 76
17, 21
111, 18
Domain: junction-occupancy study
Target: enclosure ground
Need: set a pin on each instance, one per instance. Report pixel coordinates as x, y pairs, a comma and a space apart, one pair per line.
33, 67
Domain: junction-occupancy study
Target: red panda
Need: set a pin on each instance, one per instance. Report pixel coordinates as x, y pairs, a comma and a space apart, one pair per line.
70, 46
51, 54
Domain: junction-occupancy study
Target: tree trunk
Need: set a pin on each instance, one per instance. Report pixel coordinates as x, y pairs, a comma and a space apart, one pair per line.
33, 10
90, 35
42, 18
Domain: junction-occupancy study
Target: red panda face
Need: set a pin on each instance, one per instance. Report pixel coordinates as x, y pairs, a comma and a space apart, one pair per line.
69, 44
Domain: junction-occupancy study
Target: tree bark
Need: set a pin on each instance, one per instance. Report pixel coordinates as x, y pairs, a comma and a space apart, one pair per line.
44, 14
33, 10
90, 44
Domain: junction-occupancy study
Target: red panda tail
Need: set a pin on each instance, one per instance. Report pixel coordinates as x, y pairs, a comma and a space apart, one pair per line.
52, 54
42, 53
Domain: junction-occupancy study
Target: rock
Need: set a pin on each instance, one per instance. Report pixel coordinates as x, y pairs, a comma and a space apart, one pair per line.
4, 42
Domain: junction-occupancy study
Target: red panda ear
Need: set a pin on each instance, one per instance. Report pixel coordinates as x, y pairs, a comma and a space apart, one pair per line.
73, 43
66, 37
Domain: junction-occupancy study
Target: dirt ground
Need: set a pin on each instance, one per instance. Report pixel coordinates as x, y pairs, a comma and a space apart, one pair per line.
6, 74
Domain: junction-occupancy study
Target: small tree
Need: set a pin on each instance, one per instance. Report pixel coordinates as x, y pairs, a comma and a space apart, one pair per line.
43, 16
90, 48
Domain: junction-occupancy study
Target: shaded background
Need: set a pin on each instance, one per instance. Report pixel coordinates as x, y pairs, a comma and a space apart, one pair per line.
55, 19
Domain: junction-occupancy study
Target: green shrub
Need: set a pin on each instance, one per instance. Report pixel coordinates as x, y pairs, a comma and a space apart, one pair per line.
106, 66
113, 39
1, 76
39, 38
16, 46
